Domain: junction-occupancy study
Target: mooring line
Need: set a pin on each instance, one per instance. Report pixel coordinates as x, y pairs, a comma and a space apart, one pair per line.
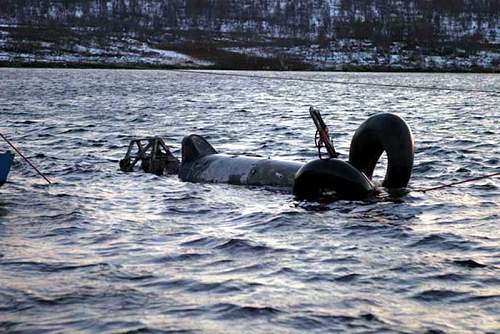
25, 159
459, 182
337, 82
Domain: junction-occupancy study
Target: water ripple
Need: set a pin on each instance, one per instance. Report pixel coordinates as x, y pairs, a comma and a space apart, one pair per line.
106, 251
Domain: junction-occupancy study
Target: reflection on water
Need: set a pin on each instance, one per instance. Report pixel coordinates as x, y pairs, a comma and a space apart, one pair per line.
101, 250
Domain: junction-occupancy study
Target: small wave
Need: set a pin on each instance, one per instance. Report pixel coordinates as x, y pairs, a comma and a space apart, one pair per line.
256, 267
180, 257
471, 264
74, 130
438, 295
341, 323
423, 167
348, 277
195, 286
66, 231
77, 169
234, 311
48, 267
488, 187
263, 224
241, 245
122, 274
494, 299
222, 288
200, 242
198, 210
446, 241
449, 277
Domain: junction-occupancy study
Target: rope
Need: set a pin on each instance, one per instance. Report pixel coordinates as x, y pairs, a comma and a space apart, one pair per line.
459, 182
25, 159
239, 75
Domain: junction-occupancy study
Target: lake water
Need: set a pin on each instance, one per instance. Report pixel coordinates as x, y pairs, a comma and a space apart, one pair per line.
104, 251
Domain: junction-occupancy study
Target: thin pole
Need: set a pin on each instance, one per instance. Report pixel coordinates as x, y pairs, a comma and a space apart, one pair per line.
25, 159
459, 182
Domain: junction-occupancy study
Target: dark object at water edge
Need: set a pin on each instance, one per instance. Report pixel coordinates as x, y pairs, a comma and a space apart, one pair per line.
6, 160
154, 155
311, 181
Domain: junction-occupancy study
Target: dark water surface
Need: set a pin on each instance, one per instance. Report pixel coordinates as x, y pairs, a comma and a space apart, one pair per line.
104, 251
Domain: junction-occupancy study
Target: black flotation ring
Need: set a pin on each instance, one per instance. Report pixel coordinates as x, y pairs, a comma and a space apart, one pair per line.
352, 180
384, 132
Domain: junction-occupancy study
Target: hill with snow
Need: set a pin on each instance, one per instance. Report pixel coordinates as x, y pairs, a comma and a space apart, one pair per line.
451, 35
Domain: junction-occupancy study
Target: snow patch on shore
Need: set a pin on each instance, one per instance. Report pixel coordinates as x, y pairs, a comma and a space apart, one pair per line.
114, 51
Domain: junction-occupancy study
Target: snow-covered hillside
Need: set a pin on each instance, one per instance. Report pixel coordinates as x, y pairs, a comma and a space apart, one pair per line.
280, 34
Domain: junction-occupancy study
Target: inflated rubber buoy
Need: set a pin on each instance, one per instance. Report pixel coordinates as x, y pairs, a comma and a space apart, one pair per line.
384, 132
334, 177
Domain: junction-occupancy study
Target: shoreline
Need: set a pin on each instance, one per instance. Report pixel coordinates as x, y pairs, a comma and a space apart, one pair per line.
346, 69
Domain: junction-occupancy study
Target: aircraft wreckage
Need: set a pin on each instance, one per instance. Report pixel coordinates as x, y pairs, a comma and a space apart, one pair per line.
325, 176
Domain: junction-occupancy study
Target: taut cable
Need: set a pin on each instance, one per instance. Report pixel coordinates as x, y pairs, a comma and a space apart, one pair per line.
337, 82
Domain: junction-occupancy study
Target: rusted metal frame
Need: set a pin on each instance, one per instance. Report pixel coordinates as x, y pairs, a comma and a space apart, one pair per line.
140, 155
165, 147
154, 151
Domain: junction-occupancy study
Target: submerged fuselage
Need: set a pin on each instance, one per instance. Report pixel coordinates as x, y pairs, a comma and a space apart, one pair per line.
202, 163
222, 168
